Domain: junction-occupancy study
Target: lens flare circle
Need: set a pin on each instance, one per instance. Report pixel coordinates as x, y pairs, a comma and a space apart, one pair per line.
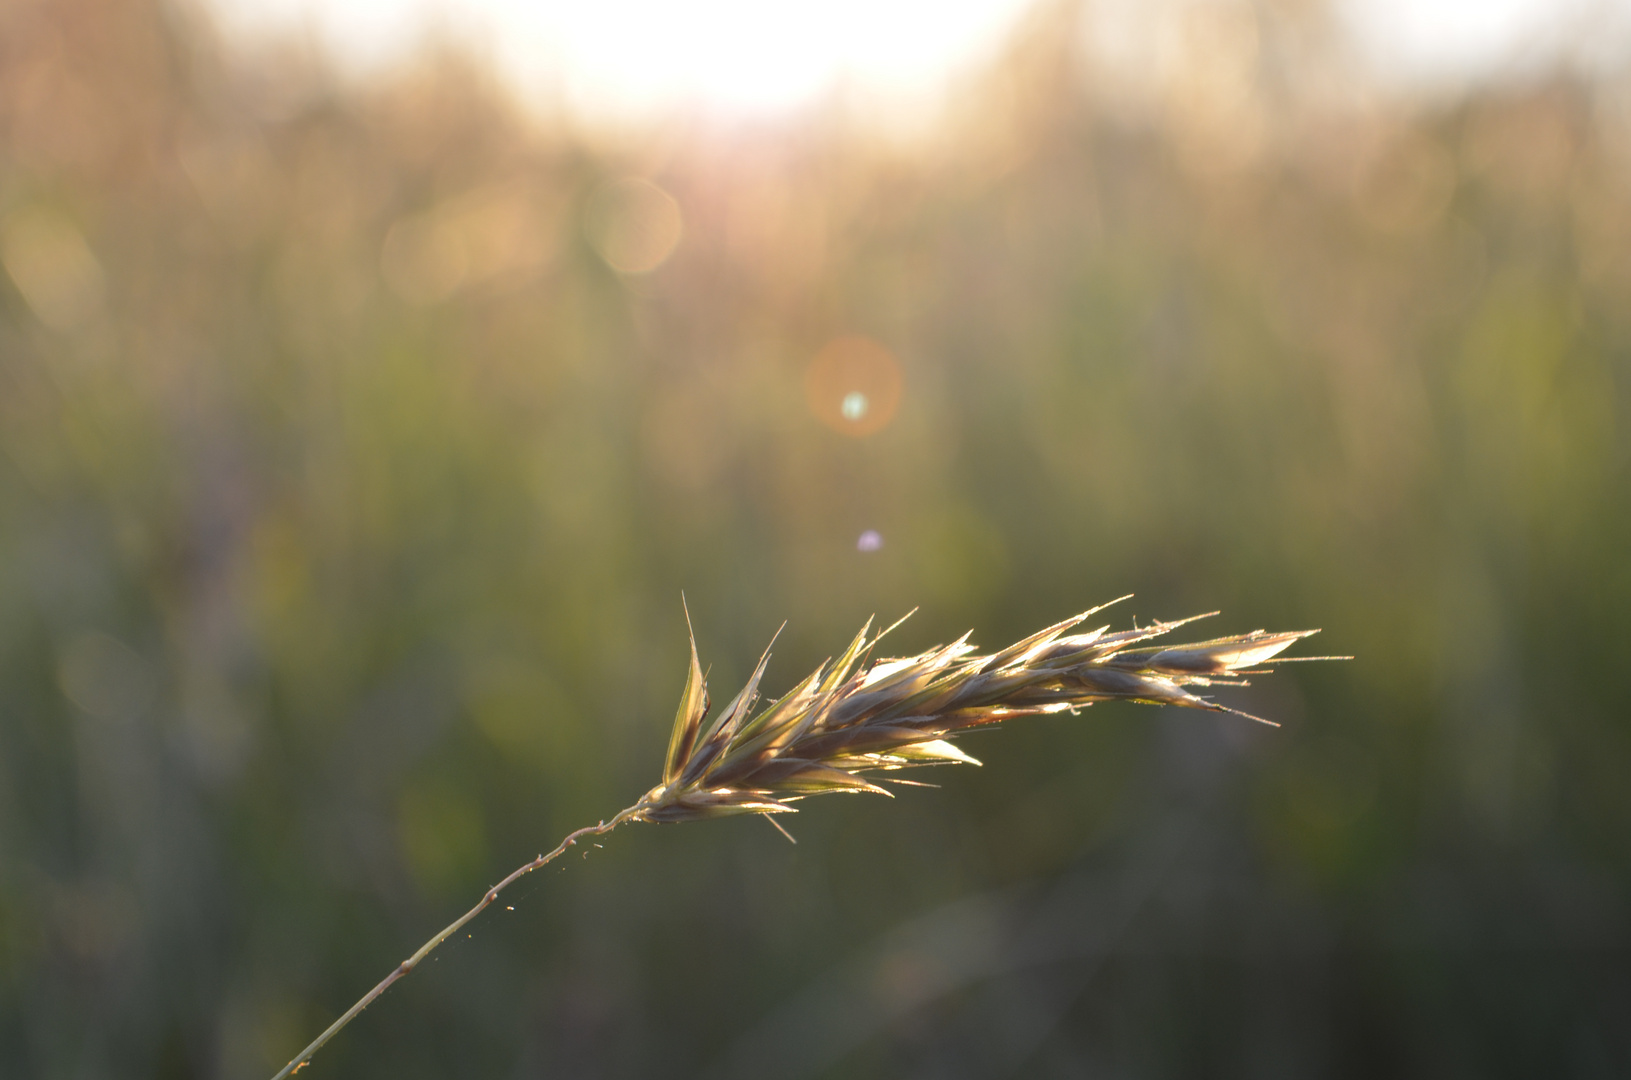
853, 386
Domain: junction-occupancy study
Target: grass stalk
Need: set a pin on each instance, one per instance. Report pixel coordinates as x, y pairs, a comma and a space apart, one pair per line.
857, 720
448, 931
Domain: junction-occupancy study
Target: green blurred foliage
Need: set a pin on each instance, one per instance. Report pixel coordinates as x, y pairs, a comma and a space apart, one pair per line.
347, 493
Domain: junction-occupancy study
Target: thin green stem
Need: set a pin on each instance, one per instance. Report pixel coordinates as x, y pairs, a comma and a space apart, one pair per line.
424, 950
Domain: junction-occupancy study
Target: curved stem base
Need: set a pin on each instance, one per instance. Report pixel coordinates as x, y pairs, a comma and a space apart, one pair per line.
448, 931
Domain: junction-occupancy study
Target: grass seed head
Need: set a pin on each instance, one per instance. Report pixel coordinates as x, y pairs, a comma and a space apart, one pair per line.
857, 718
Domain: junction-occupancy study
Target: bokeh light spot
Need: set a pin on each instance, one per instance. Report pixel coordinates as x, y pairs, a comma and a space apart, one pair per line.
105, 677
52, 267
870, 540
495, 233
634, 225
423, 260
853, 386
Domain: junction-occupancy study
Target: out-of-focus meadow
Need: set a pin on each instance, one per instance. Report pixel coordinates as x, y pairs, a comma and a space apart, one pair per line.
357, 440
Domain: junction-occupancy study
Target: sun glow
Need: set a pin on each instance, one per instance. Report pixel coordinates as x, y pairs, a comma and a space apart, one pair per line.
639, 56
747, 58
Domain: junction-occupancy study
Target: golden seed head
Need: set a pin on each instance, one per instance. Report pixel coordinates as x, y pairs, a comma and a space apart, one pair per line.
857, 715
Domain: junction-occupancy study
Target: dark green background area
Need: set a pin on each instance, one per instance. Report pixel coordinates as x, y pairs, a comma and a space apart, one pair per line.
322, 606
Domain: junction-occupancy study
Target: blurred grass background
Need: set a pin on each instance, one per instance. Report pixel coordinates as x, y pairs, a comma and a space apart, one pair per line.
357, 439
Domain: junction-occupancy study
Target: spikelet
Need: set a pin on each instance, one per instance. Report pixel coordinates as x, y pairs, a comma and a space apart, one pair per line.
856, 718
